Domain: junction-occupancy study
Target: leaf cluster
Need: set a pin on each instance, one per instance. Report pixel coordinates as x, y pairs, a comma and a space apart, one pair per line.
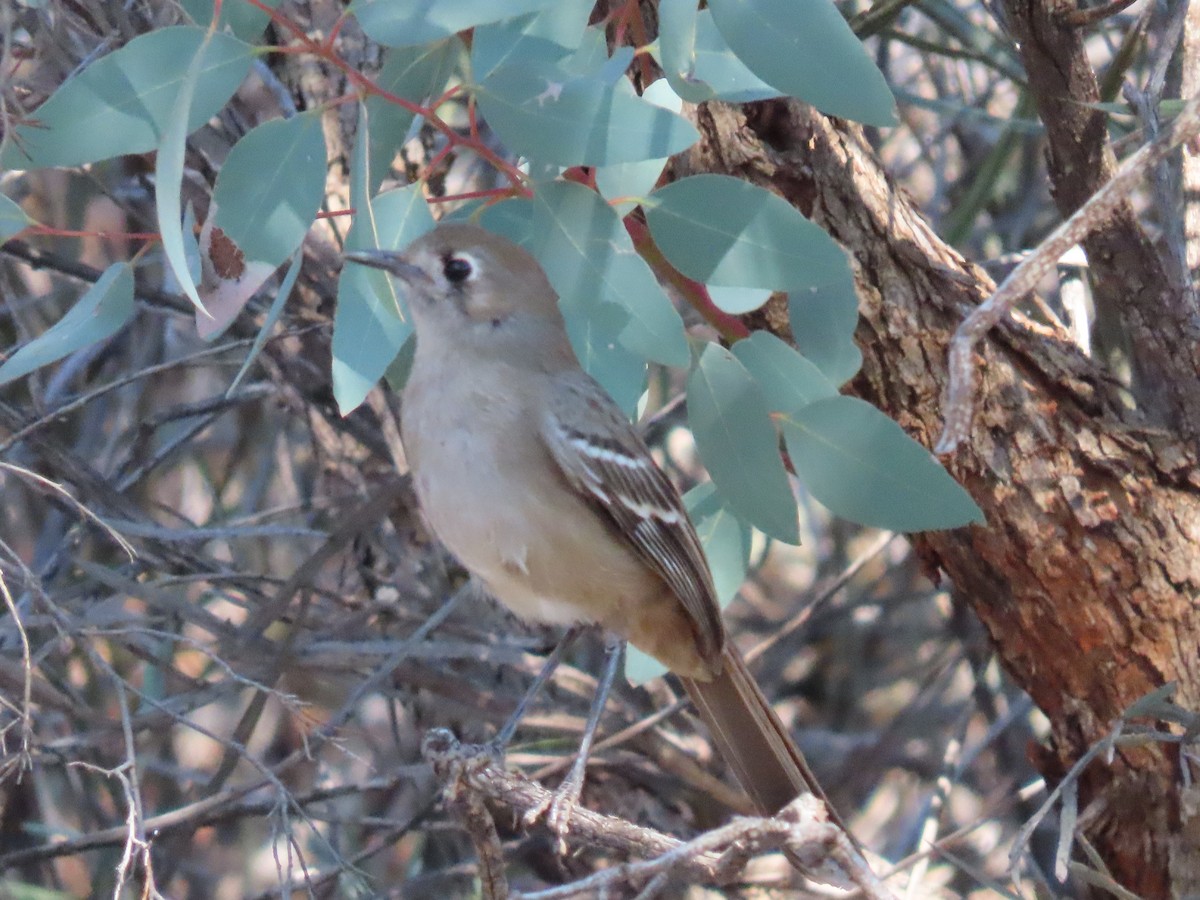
584, 156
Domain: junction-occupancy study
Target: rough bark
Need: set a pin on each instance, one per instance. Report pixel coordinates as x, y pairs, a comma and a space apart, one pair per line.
1086, 573
1189, 85
1129, 280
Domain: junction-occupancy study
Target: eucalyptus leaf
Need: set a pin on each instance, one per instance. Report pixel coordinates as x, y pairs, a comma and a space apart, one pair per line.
245, 20
589, 258
402, 23
789, 381
13, 219
660, 93
168, 179
363, 233
823, 319
677, 49
805, 49
271, 186
122, 102
738, 443
758, 240
228, 280
260, 339
641, 667
738, 300
634, 180
563, 22
554, 33
414, 73
717, 66
629, 181
512, 219
865, 468
698, 61
98, 314
595, 331
549, 114
594, 326
371, 323
591, 59
725, 538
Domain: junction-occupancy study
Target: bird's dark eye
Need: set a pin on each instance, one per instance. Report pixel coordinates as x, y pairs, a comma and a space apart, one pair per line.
456, 269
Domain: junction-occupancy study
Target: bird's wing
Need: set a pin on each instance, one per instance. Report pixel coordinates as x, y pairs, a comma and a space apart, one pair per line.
605, 460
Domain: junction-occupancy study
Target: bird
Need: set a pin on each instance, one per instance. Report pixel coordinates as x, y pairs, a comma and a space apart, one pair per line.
530, 474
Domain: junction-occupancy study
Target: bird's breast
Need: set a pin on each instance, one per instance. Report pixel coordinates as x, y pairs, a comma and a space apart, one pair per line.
492, 494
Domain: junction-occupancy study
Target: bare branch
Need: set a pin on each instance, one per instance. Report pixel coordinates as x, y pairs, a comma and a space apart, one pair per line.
1023, 279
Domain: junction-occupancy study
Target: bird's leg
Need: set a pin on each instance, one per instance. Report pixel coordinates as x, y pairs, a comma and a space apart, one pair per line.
562, 802
499, 743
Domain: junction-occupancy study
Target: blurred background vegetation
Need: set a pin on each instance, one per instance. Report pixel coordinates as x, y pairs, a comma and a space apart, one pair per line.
210, 597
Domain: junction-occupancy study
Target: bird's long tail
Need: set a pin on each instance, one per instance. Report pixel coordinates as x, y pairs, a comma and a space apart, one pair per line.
750, 737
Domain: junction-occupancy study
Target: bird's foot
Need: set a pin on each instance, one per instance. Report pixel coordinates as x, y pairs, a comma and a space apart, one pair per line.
496, 750
558, 807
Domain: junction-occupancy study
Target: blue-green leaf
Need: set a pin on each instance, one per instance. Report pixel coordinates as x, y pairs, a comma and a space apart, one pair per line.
789, 381
738, 443
563, 22
726, 543
512, 219
589, 258
260, 339
403, 23
863, 467
552, 34
191, 249
717, 66
698, 62
168, 178
122, 102
805, 49
245, 20
738, 300
593, 327
270, 187
758, 240
595, 337
591, 59
544, 112
677, 49
641, 667
823, 319
414, 73
369, 328
634, 180
13, 219
724, 537
363, 232
98, 314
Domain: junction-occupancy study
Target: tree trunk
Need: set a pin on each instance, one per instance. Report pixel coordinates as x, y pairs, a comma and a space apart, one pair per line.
1086, 574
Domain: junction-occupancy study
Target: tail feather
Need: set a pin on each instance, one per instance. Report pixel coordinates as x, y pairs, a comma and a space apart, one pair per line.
750, 737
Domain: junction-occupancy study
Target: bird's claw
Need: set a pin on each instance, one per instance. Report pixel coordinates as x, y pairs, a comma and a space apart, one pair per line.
495, 751
558, 808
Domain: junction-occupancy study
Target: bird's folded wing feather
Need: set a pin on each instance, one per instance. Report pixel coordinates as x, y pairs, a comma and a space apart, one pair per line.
604, 459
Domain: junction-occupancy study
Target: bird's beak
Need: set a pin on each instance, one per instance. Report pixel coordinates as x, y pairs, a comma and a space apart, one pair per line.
388, 260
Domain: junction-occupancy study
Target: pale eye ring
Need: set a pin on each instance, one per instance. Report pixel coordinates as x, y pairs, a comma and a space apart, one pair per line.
457, 269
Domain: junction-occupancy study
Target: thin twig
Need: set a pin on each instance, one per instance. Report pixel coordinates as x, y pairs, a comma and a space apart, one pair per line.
1084, 17
960, 395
